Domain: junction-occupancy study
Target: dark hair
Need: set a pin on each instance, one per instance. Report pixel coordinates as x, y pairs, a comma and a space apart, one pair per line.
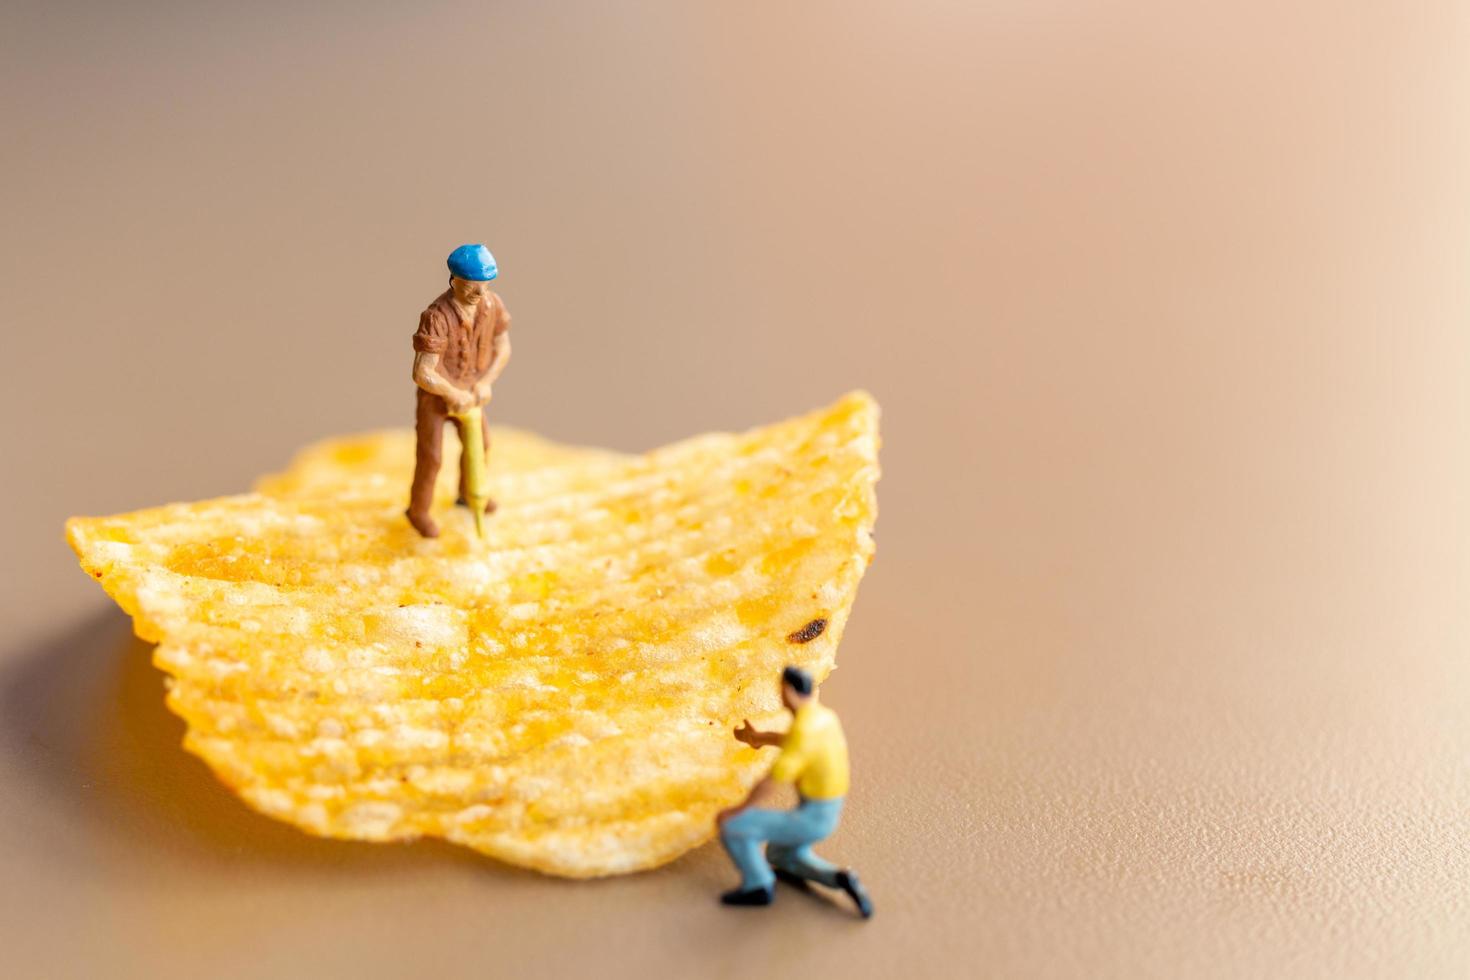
798, 680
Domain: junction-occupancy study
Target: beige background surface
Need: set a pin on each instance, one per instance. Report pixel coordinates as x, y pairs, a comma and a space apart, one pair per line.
1161, 669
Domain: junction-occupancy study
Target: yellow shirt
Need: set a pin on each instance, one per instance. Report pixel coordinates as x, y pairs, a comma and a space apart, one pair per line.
814, 754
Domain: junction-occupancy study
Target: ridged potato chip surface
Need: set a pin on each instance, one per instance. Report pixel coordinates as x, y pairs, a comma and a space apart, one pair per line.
559, 696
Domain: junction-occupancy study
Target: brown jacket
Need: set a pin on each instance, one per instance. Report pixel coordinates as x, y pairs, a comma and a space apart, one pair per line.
464, 355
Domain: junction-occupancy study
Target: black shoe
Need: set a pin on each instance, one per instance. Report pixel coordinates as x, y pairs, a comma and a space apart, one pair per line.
750, 896
794, 880
848, 882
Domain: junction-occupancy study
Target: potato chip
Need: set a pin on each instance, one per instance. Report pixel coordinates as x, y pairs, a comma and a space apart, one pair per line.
559, 696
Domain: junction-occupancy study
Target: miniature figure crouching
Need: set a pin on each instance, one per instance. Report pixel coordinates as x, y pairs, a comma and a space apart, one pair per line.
814, 757
461, 346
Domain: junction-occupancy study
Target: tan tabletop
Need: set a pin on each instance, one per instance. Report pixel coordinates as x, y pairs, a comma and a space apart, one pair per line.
1162, 666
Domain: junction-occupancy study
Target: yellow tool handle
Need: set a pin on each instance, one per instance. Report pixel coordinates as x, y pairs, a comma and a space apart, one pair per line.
477, 491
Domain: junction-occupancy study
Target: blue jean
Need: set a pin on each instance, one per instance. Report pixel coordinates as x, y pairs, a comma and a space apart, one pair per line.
791, 834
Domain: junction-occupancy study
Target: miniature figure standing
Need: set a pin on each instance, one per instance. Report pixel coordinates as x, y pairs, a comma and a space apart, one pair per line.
461, 346
814, 757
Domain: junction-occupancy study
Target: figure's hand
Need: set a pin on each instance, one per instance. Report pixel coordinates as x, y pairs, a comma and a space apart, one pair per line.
482, 392
748, 735
459, 400
726, 814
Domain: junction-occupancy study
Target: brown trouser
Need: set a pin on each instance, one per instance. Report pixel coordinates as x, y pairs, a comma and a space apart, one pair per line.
432, 414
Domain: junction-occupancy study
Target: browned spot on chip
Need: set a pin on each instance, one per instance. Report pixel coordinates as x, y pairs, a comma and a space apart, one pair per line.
809, 632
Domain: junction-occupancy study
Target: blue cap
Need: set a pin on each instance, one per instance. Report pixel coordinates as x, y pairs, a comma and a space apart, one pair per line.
473, 262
